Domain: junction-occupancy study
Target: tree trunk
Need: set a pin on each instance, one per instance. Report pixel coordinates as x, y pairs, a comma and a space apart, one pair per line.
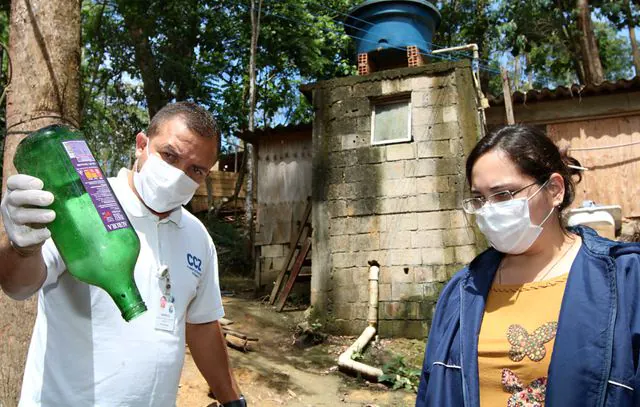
256, 6
632, 38
44, 45
145, 60
588, 45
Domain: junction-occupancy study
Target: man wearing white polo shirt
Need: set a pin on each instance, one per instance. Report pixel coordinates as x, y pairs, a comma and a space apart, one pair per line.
82, 353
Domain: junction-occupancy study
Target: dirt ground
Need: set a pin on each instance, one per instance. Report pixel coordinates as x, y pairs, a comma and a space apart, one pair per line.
277, 373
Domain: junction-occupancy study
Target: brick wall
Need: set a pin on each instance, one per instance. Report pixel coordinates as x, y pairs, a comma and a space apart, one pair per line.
398, 204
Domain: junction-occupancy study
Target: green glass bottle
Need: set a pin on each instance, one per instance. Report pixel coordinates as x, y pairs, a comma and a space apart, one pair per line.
91, 230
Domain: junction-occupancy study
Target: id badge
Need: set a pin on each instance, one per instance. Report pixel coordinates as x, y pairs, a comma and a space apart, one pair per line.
166, 318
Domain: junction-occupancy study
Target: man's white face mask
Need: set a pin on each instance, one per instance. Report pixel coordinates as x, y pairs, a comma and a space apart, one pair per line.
162, 186
507, 225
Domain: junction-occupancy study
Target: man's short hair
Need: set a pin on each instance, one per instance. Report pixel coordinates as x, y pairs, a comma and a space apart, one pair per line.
197, 119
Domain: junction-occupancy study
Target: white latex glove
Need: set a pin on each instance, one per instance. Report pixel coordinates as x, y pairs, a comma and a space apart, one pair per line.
23, 220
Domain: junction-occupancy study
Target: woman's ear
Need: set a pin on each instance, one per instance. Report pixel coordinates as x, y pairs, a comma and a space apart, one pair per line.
555, 186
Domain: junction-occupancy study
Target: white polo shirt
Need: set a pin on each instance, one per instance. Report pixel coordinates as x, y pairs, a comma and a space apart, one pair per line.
83, 353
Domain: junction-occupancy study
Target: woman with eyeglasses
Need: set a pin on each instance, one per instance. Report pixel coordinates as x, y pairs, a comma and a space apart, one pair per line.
548, 316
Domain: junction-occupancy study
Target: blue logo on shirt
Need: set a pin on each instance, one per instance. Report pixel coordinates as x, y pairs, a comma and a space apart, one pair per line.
194, 264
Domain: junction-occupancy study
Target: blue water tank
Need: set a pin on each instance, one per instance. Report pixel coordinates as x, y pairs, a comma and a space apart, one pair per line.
391, 24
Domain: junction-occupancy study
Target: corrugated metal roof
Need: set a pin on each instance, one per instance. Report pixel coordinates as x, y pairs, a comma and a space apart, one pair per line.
254, 136
573, 91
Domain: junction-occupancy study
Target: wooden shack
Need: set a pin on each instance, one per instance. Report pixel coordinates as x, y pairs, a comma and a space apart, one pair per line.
283, 175
600, 124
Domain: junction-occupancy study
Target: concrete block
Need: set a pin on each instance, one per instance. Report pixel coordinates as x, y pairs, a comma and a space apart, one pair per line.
407, 291
393, 310
434, 97
342, 126
394, 86
456, 148
433, 220
459, 237
371, 155
366, 206
343, 260
364, 242
398, 274
365, 89
402, 151
427, 309
350, 108
399, 222
459, 219
397, 187
432, 290
434, 149
384, 292
437, 201
427, 83
342, 310
427, 238
344, 295
381, 256
358, 173
435, 131
397, 205
425, 274
364, 125
465, 254
334, 176
413, 310
357, 140
275, 250
450, 114
395, 240
391, 170
436, 255
410, 329
338, 226
402, 257
432, 166
340, 93
338, 244
343, 276
363, 224
337, 208
433, 183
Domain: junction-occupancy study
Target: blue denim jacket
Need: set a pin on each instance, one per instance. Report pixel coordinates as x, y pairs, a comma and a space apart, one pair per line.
595, 355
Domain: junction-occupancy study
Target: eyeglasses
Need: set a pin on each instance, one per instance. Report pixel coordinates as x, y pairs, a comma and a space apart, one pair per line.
473, 205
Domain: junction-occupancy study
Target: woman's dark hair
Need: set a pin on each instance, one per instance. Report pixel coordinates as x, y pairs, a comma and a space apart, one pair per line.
534, 153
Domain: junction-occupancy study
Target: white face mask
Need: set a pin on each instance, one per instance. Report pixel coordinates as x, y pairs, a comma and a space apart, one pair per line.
507, 225
162, 186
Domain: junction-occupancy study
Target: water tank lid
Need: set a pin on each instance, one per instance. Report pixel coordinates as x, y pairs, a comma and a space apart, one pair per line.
354, 11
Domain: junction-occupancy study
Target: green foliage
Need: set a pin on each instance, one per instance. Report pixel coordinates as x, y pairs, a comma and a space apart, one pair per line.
398, 375
357, 356
231, 246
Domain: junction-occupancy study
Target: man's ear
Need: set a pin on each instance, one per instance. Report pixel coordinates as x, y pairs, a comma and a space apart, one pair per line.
556, 188
141, 144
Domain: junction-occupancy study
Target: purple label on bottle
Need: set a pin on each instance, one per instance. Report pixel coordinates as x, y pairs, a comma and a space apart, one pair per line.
96, 185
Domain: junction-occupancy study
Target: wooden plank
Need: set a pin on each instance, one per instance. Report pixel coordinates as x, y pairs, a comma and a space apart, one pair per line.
609, 180
292, 248
506, 90
294, 274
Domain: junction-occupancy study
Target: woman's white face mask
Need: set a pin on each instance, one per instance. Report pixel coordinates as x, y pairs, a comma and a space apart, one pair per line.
507, 225
162, 186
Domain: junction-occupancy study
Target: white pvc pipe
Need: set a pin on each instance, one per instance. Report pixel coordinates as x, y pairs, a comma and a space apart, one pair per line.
345, 363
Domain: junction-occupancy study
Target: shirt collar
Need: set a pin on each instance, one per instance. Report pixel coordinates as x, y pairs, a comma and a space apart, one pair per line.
134, 206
